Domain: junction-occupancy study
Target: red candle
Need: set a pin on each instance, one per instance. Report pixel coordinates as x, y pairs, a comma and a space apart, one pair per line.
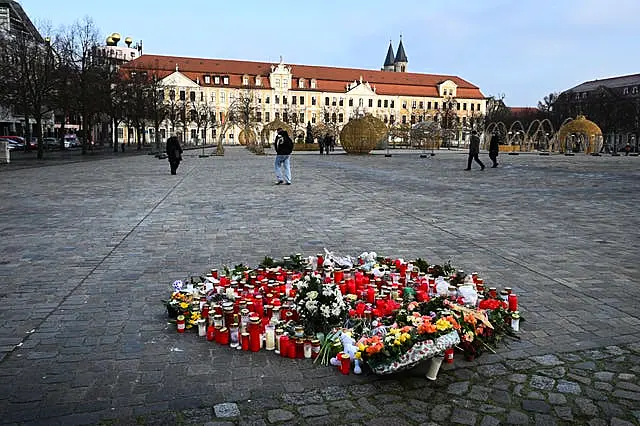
513, 302
214, 273
244, 341
345, 363
224, 336
338, 275
284, 346
292, 349
343, 287
371, 295
180, 323
493, 292
320, 260
211, 333
448, 355
351, 286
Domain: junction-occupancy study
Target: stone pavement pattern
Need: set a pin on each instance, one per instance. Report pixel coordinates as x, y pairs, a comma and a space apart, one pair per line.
90, 248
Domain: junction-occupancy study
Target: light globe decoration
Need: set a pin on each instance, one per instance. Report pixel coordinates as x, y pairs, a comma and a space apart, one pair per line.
580, 133
362, 135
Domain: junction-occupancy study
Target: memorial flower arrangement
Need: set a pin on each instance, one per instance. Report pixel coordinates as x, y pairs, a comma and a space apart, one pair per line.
320, 305
395, 314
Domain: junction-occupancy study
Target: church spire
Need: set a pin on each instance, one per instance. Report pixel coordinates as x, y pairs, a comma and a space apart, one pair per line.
388, 62
401, 61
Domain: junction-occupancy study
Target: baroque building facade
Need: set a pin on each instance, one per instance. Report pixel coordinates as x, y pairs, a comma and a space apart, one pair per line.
302, 94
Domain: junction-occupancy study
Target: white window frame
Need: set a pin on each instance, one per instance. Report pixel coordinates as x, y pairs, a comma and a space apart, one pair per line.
225, 80
216, 79
258, 81
245, 80
313, 83
207, 79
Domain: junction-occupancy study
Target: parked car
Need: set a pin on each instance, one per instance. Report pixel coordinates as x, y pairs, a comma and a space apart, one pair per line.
33, 144
13, 144
51, 143
71, 142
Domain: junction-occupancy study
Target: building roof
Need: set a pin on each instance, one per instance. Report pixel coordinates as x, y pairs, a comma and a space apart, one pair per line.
19, 20
389, 59
400, 55
611, 83
328, 79
523, 110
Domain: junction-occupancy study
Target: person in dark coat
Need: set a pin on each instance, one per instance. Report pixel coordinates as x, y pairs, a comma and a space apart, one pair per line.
174, 152
284, 147
322, 143
474, 150
494, 149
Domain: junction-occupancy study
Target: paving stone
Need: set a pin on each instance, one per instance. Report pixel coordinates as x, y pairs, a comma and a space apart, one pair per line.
338, 406
597, 422
279, 415
463, 417
489, 421
518, 378
500, 397
565, 386
368, 406
634, 396
587, 365
626, 376
556, 398
458, 388
544, 420
604, 376
227, 409
385, 421
586, 406
492, 370
334, 393
620, 422
536, 406
522, 364
479, 393
536, 395
542, 383
313, 410
564, 413
548, 360
556, 372
610, 409
441, 412
517, 418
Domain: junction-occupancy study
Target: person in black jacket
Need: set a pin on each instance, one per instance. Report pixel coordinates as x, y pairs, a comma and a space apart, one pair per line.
174, 152
474, 150
284, 147
494, 148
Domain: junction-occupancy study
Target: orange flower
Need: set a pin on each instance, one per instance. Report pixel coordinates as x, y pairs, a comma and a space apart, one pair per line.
469, 318
453, 322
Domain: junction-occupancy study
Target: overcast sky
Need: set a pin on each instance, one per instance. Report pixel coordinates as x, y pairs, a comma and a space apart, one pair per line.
523, 49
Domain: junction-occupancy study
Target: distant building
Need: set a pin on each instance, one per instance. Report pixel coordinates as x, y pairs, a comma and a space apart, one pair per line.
612, 103
301, 94
13, 22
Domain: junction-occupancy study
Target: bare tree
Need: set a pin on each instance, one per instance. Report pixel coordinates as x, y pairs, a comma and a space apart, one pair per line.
244, 115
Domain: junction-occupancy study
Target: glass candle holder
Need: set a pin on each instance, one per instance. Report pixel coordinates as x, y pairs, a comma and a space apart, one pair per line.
307, 349
270, 337
234, 335
345, 363
180, 323
202, 327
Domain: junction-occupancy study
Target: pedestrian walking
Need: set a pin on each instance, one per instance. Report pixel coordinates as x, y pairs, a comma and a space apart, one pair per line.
174, 152
321, 143
474, 150
494, 149
284, 148
627, 149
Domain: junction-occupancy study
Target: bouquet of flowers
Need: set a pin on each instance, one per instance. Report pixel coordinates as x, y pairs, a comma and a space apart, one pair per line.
320, 305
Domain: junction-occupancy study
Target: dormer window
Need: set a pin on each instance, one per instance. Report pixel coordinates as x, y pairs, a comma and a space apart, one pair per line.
301, 83
258, 81
216, 79
245, 80
625, 91
225, 80
313, 83
634, 90
207, 79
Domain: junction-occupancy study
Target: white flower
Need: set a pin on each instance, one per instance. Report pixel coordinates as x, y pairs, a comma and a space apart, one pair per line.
312, 295
312, 306
328, 291
336, 311
325, 311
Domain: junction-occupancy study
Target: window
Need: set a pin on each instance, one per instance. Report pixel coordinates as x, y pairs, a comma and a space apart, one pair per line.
445, 92
391, 104
301, 117
259, 98
334, 101
360, 102
464, 106
258, 81
313, 100
334, 117
625, 91
294, 100
266, 116
413, 119
429, 105
225, 80
584, 95
285, 116
294, 117
277, 116
404, 119
478, 107
213, 133
213, 97
266, 100
472, 107
276, 99
194, 115
386, 119
222, 97
161, 95
350, 102
194, 135
192, 96
183, 95
435, 105
313, 118
221, 116
278, 82
341, 102
121, 133
340, 118
201, 96
285, 83
301, 100
313, 83
404, 104
635, 90
231, 136
386, 103
207, 79
379, 103
301, 83
258, 116
326, 117
216, 79
245, 80
370, 103
392, 119
326, 101
414, 103
284, 100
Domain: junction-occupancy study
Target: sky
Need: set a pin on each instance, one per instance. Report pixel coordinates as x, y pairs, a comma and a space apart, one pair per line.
522, 49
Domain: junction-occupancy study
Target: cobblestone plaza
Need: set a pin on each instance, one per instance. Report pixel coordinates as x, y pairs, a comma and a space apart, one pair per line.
90, 248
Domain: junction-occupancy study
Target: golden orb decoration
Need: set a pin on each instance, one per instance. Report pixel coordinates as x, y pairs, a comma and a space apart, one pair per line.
361, 135
110, 41
587, 129
116, 37
247, 137
128, 41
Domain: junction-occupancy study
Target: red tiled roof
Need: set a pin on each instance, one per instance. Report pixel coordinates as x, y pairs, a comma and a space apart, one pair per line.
523, 110
329, 79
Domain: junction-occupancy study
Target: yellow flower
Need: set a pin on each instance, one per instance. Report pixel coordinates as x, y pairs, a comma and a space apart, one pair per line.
404, 337
361, 347
396, 342
184, 305
442, 324
358, 355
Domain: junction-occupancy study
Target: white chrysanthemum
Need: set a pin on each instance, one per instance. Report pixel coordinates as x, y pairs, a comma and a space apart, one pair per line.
312, 306
336, 311
312, 295
328, 291
325, 311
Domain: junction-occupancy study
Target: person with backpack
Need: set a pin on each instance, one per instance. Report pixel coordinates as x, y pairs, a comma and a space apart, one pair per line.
284, 148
